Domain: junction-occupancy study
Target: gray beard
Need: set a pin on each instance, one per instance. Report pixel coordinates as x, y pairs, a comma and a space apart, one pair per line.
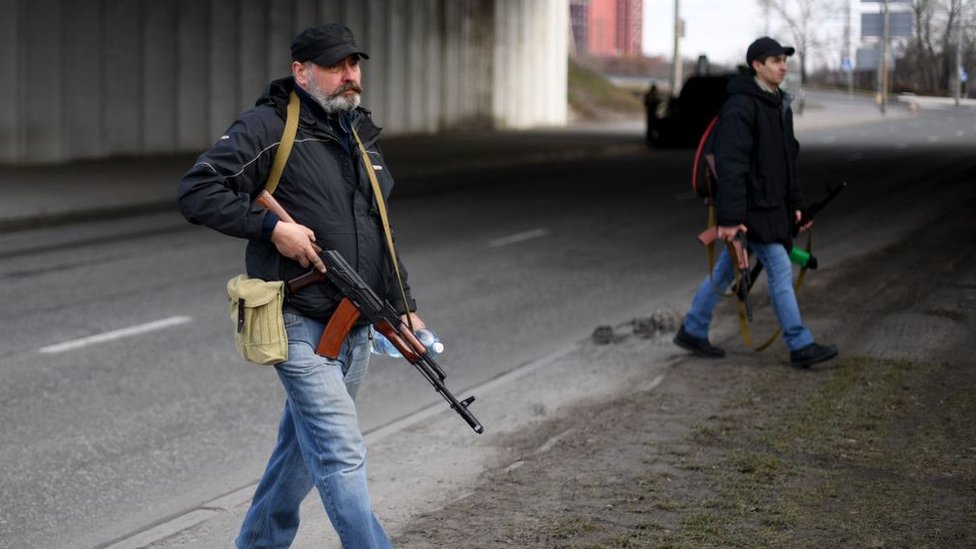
333, 103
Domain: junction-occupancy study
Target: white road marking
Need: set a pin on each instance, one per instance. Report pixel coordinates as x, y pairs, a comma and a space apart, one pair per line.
518, 237
115, 334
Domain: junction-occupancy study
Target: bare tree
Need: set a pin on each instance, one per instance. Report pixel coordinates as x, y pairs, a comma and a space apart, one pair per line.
919, 66
944, 33
806, 24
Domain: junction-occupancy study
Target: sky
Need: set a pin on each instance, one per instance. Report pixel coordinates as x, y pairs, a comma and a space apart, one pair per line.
721, 29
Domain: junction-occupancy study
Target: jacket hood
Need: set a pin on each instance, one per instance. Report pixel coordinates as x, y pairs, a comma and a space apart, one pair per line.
745, 84
276, 94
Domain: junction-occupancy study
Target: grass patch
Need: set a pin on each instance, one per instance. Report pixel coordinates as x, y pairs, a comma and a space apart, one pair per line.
589, 93
871, 453
868, 453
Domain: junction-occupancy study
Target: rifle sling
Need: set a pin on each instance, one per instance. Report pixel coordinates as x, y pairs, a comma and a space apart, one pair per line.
284, 146
381, 204
743, 321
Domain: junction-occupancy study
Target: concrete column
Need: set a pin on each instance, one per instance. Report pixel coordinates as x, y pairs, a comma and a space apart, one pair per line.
106, 77
193, 68
372, 35
432, 54
10, 80
505, 76
253, 44
528, 83
354, 16
306, 14
82, 71
417, 80
280, 34
122, 76
159, 78
397, 92
330, 11
42, 81
449, 29
474, 68
222, 88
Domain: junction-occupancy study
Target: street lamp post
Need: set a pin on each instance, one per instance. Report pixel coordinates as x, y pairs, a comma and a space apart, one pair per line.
884, 56
676, 59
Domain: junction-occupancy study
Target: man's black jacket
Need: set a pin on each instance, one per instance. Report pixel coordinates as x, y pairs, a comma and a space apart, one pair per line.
755, 160
324, 186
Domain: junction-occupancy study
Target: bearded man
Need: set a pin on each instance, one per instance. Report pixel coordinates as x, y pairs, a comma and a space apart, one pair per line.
326, 189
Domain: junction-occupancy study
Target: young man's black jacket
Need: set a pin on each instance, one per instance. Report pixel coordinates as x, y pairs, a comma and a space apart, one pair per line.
755, 160
324, 186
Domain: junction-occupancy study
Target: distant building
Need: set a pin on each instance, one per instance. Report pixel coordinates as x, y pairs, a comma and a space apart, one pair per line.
607, 28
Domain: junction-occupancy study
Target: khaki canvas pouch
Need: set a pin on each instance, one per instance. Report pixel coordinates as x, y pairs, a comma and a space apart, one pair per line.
256, 310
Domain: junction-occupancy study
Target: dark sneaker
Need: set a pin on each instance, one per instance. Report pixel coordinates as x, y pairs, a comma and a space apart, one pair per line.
697, 345
812, 354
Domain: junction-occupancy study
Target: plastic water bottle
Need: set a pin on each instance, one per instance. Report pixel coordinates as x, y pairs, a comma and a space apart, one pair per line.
802, 258
431, 340
382, 346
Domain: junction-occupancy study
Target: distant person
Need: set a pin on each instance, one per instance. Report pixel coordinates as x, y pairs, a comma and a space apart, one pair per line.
652, 100
758, 193
325, 188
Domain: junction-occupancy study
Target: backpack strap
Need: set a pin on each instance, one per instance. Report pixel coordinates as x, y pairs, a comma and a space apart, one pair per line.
284, 146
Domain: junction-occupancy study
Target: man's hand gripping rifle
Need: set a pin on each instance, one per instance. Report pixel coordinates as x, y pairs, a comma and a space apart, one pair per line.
738, 250
360, 300
797, 255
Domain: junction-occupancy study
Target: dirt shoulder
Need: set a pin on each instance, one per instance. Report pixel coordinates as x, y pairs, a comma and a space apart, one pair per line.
874, 449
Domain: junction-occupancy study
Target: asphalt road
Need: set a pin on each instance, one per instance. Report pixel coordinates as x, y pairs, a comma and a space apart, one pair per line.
103, 437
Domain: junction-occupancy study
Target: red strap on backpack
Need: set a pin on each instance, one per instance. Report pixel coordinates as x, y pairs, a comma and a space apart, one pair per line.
698, 152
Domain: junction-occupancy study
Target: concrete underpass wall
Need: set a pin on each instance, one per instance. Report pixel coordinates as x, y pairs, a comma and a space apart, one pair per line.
98, 78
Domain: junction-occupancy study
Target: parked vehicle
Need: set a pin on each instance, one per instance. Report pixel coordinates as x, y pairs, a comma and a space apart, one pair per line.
681, 120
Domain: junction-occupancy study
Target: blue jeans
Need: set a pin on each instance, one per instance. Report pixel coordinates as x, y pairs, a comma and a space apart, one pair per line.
779, 273
319, 444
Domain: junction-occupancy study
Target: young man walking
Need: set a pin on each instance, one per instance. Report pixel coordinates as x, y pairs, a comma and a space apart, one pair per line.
757, 193
326, 189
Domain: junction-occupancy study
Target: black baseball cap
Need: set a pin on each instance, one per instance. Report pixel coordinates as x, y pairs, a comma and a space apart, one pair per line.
766, 47
325, 45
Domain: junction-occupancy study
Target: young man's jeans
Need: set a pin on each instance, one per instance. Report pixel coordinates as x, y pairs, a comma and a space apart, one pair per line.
319, 444
779, 273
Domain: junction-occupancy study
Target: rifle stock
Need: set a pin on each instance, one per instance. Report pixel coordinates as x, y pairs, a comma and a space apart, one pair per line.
269, 203
708, 236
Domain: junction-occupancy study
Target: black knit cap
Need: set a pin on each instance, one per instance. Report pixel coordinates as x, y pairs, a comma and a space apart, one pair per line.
766, 47
325, 45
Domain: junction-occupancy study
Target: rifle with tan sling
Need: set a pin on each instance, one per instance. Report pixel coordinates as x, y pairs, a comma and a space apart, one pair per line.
358, 299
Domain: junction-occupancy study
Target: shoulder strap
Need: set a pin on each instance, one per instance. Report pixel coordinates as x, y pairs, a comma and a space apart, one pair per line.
284, 147
381, 205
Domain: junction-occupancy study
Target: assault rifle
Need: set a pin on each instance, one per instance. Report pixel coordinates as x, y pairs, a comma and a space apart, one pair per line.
739, 251
807, 214
797, 255
360, 300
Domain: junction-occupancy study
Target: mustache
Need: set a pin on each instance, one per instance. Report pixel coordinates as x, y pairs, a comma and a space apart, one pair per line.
348, 86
